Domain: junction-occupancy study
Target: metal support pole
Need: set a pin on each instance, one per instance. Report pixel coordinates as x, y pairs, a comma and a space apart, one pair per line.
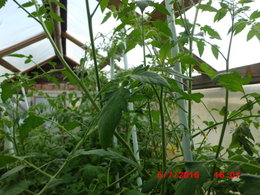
181, 103
134, 133
112, 76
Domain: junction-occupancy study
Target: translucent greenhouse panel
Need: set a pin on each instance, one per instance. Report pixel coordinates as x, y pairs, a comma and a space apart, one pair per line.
74, 52
15, 25
214, 98
4, 71
242, 52
78, 21
40, 51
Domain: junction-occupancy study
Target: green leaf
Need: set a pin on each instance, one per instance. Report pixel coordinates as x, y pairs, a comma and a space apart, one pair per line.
251, 184
49, 25
187, 186
103, 4
162, 27
214, 49
132, 192
71, 125
142, 4
239, 26
17, 55
110, 116
125, 2
245, 1
207, 7
174, 86
55, 16
2, 3
250, 34
200, 46
256, 28
206, 69
188, 59
12, 171
159, 7
149, 77
169, 70
28, 4
220, 14
15, 188
255, 14
5, 160
30, 123
106, 154
59, 4
8, 90
90, 172
211, 32
232, 81
69, 77
107, 16
239, 138
152, 183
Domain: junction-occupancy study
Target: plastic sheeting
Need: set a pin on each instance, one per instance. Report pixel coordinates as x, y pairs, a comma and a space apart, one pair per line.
214, 98
40, 51
242, 52
74, 52
15, 25
3, 71
18, 27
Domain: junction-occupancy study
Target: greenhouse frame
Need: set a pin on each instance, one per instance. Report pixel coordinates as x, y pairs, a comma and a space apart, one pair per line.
130, 97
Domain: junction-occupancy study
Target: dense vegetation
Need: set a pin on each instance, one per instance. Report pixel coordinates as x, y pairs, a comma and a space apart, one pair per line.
81, 142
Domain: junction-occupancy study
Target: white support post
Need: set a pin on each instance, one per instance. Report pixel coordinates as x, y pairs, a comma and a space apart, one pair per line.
112, 76
25, 98
134, 133
8, 144
181, 103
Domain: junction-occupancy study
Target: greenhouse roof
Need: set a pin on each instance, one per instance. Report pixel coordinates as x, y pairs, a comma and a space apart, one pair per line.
23, 35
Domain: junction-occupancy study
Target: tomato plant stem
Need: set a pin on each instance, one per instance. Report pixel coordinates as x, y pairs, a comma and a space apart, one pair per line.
93, 45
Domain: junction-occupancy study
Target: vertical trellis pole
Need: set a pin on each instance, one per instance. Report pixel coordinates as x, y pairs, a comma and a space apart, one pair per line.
181, 103
9, 144
134, 133
25, 98
112, 76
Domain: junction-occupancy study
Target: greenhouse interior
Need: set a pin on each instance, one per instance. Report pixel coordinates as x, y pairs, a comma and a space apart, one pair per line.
145, 97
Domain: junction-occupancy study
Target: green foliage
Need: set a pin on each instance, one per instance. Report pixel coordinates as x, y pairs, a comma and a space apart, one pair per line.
103, 4
211, 32
241, 137
207, 7
30, 123
111, 115
15, 188
8, 90
232, 81
194, 183
6, 160
215, 51
2, 3
251, 184
64, 145
162, 27
141, 74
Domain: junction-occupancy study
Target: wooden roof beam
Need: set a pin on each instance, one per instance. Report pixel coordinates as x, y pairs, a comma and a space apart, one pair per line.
22, 44
8, 66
